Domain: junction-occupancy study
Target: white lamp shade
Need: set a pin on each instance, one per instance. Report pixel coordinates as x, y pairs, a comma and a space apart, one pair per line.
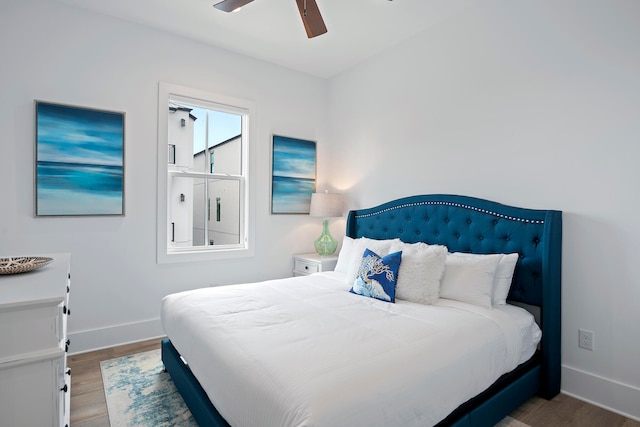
326, 205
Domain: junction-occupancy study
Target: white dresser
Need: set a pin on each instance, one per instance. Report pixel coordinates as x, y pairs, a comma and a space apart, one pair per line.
34, 378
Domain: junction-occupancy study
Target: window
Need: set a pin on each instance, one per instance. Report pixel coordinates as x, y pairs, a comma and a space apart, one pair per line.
203, 208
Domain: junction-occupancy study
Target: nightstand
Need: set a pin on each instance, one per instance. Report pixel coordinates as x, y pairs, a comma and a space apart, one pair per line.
305, 264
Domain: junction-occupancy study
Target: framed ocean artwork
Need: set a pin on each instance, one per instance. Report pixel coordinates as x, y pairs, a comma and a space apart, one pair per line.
79, 167
293, 175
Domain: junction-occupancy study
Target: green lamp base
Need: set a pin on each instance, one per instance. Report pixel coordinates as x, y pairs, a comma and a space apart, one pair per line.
325, 244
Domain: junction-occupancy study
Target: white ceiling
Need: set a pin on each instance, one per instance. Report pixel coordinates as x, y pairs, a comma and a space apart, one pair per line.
272, 30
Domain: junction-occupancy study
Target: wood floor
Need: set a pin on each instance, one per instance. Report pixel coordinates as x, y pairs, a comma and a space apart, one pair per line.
88, 405
89, 409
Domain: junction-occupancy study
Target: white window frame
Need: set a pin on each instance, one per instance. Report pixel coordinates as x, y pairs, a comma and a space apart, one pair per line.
247, 109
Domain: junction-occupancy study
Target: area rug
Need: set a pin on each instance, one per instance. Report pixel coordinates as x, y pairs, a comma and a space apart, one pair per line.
139, 393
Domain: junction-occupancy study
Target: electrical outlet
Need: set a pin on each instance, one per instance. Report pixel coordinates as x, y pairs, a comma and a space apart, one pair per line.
585, 339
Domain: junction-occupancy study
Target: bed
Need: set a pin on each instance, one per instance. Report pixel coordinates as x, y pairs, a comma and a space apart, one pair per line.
464, 225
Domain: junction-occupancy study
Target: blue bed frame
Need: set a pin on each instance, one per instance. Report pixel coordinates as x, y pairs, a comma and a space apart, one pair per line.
463, 224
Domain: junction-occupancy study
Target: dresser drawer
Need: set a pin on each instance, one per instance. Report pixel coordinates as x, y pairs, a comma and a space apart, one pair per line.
305, 266
30, 394
28, 328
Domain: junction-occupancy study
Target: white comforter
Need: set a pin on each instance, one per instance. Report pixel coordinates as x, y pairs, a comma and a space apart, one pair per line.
306, 352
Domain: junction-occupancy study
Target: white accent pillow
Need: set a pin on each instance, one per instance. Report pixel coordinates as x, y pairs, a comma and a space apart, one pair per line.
380, 247
469, 278
420, 271
344, 256
503, 278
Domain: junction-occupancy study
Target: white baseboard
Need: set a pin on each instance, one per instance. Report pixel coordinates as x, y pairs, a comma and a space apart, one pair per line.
99, 338
603, 392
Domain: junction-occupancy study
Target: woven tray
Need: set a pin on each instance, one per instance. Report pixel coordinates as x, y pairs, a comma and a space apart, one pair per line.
22, 264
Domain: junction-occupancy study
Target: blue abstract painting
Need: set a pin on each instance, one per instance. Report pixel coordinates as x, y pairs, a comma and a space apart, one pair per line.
293, 175
79, 161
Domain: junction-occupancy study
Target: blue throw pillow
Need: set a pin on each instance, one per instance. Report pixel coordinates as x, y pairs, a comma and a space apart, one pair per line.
377, 276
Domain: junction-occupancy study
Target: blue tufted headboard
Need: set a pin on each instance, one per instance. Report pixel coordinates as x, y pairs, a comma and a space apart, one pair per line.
468, 224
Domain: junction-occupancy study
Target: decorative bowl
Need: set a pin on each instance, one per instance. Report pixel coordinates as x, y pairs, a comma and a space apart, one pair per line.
22, 264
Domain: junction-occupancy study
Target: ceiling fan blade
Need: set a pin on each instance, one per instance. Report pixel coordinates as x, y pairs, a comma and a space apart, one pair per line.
230, 5
311, 17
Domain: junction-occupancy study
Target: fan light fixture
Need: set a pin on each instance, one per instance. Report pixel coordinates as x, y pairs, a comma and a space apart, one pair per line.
309, 12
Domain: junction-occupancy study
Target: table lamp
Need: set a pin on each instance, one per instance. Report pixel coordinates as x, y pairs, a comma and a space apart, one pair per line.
325, 205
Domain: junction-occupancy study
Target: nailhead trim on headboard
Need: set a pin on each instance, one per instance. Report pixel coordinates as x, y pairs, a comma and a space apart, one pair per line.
459, 205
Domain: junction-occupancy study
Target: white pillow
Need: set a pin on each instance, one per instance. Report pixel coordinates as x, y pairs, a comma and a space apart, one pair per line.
420, 271
469, 278
344, 256
380, 247
503, 278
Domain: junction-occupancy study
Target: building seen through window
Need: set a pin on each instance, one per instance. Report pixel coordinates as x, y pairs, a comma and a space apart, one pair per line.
205, 175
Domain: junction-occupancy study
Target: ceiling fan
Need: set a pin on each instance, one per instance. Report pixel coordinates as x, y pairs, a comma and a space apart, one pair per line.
309, 12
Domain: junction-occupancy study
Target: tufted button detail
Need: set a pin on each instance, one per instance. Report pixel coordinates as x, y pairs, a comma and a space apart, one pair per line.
463, 231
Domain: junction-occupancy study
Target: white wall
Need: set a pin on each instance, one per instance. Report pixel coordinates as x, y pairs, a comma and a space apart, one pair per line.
534, 104
65, 55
